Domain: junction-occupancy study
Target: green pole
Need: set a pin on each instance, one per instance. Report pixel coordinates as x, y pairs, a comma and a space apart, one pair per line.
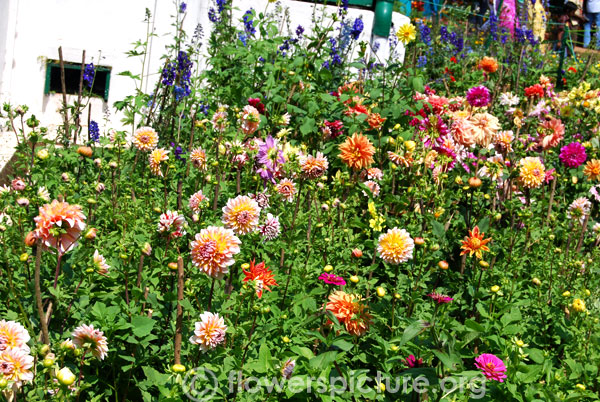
383, 17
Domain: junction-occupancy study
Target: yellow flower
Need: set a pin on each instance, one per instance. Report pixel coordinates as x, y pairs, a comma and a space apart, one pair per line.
566, 293
377, 223
578, 305
372, 209
495, 288
580, 387
406, 33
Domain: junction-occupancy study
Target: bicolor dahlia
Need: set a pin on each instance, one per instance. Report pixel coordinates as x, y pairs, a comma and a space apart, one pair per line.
155, 158
15, 365
262, 277
287, 189
314, 167
395, 246
485, 128
171, 222
209, 332
493, 368
288, 368
219, 121
145, 138
357, 152
18, 184
196, 200
349, 310
509, 99
503, 141
13, 335
572, 155
213, 250
579, 209
250, 119
198, 158
478, 96
475, 244
261, 198
92, 340
374, 174
271, 228
100, 263
241, 214
373, 187
592, 169
440, 298
375, 121
59, 225
531, 172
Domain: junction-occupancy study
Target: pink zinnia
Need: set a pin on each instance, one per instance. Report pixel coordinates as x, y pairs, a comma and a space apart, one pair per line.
412, 362
332, 279
572, 155
478, 96
493, 368
440, 298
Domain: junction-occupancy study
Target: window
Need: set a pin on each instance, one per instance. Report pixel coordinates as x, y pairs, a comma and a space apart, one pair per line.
72, 74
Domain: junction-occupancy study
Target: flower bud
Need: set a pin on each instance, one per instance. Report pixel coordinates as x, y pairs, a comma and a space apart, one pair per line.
98, 162
85, 151
91, 233
357, 253
172, 265
48, 362
65, 177
410, 146
285, 339
566, 293
100, 187
112, 164
495, 288
42, 154
147, 249
23, 257
328, 268
3, 383
419, 241
380, 291
30, 239
536, 281
178, 368
443, 265
65, 376
44, 350
354, 279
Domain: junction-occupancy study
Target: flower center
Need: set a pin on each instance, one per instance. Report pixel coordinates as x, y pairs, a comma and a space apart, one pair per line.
208, 249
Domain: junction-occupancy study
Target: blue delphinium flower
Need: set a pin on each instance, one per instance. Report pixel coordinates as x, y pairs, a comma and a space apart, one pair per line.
88, 74
212, 16
182, 7
494, 26
299, 31
249, 22
357, 28
422, 61
203, 109
243, 38
344, 7
177, 151
425, 33
168, 74
335, 57
94, 131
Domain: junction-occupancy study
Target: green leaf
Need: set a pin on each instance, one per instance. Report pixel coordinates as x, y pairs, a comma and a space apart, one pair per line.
411, 331
142, 326
323, 360
343, 344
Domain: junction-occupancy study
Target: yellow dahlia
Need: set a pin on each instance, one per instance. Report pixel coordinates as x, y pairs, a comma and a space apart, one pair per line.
213, 250
13, 335
15, 365
198, 158
395, 246
314, 166
156, 157
357, 152
209, 332
145, 138
406, 33
59, 225
592, 169
241, 214
531, 172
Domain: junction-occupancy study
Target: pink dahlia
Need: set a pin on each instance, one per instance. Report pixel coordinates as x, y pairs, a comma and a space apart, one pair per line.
213, 250
15, 365
196, 200
59, 225
13, 335
572, 155
92, 340
271, 228
478, 96
332, 279
440, 298
493, 368
209, 332
171, 222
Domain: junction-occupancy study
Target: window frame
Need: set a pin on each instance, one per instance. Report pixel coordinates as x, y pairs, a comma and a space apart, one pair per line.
76, 66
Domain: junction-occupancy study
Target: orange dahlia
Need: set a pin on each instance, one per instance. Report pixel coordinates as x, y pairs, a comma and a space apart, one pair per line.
463, 132
156, 157
488, 64
145, 138
213, 250
241, 214
198, 158
474, 243
59, 225
395, 246
357, 152
314, 166
262, 277
592, 169
347, 308
375, 121
531, 172
287, 189
405, 160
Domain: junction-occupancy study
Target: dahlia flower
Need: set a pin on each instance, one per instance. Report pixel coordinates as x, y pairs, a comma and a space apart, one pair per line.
475, 244
219, 121
270, 157
155, 158
196, 201
271, 228
59, 225
440, 298
100, 263
261, 198
509, 99
357, 152
171, 222
572, 155
145, 138
13, 335
213, 250
198, 158
262, 277
332, 279
551, 132
314, 166
493, 368
579, 209
209, 332
374, 174
15, 365
250, 119
463, 132
241, 214
349, 310
287, 189
395, 246
592, 169
485, 128
478, 96
503, 141
531, 172
92, 340
488, 64
373, 187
